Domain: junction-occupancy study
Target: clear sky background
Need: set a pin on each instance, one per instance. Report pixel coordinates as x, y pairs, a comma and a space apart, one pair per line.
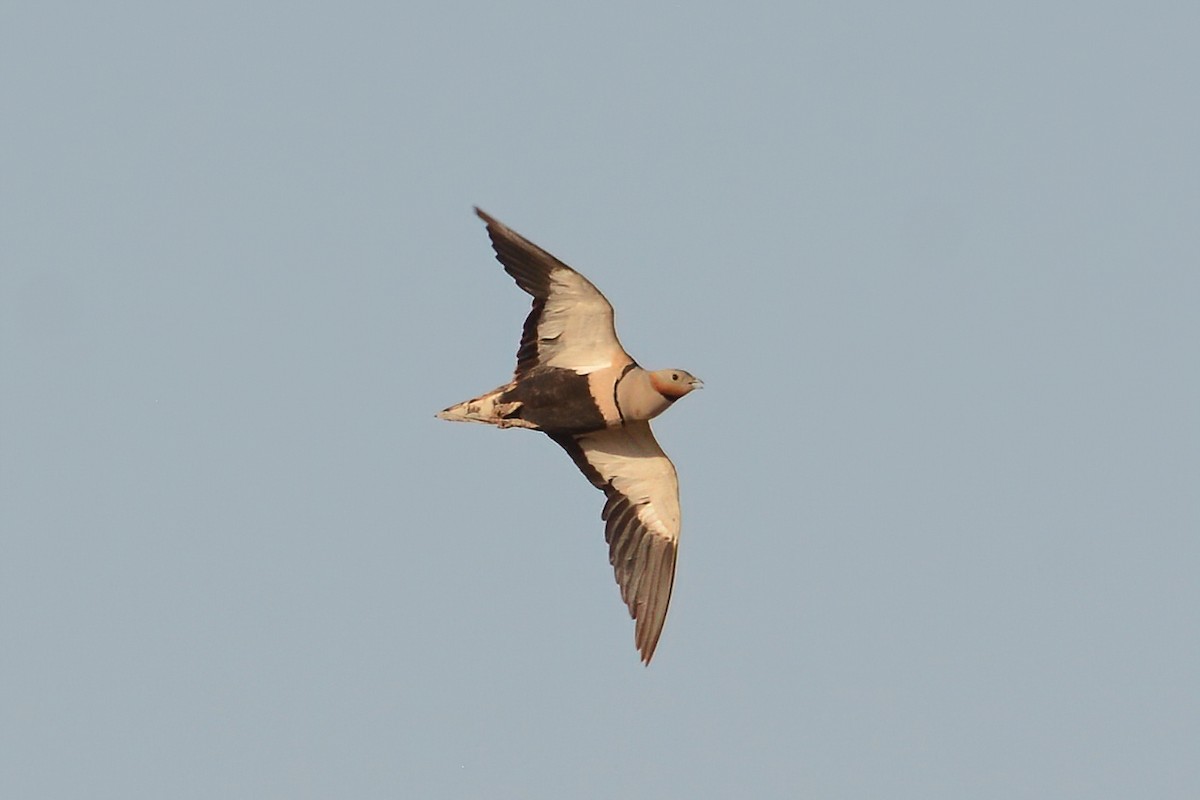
938, 264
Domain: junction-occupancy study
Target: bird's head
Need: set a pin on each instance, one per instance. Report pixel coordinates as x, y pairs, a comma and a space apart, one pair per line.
674, 383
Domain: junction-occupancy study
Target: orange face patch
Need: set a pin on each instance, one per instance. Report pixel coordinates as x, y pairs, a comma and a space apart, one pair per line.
671, 383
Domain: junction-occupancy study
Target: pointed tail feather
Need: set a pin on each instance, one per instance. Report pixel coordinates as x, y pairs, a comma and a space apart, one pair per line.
488, 409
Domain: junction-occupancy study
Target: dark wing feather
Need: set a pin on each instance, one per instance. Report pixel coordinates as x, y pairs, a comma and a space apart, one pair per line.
529, 264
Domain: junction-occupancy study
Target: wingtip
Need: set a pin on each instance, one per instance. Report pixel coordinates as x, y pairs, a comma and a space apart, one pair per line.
483, 215
646, 649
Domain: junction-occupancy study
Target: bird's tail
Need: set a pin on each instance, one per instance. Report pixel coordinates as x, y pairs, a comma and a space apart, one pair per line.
488, 409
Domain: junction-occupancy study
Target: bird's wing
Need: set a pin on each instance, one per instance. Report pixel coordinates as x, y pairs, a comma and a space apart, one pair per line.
641, 516
571, 323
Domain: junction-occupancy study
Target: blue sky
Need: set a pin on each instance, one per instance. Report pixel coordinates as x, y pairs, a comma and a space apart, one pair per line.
936, 263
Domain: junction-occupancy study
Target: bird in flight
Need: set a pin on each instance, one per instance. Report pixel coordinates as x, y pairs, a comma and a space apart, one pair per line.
575, 383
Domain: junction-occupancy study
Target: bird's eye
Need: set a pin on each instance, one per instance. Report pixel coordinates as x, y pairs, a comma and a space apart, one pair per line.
674, 376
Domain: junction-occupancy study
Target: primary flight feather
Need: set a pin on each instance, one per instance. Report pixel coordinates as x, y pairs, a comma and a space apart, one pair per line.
575, 383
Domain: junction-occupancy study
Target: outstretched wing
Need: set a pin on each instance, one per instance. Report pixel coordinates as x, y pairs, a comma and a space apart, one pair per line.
571, 323
641, 516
